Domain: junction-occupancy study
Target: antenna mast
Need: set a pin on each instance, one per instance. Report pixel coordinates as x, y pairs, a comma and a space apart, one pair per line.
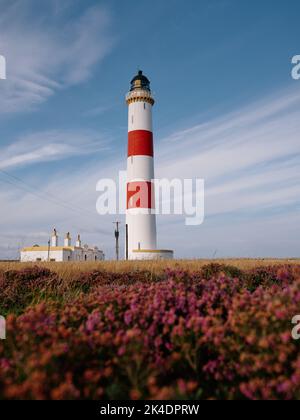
117, 236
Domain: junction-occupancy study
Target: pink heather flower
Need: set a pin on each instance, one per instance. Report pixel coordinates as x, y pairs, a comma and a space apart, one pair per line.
246, 391
286, 337
251, 339
211, 366
65, 348
121, 351
280, 314
169, 346
158, 342
110, 314
127, 317
181, 386
134, 306
295, 379
4, 364
178, 331
284, 387
92, 321
171, 317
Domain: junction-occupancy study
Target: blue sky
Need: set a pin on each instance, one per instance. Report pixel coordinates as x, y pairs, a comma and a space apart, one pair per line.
227, 111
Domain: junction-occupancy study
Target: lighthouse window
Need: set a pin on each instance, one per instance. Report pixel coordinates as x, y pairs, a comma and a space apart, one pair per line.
132, 119
144, 105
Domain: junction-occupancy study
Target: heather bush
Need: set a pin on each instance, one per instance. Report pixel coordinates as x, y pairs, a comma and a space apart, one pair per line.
213, 269
182, 335
271, 275
19, 288
258, 357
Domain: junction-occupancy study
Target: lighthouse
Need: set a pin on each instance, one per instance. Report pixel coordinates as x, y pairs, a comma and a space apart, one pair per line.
141, 238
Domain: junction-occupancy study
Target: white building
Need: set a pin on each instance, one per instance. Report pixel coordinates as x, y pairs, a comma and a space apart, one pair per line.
67, 252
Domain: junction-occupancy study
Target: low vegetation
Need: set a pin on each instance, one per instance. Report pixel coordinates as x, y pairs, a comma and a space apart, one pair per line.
150, 330
68, 270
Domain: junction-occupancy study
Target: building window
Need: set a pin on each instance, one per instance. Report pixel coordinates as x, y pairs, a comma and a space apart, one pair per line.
38, 260
69, 258
85, 258
53, 260
95, 257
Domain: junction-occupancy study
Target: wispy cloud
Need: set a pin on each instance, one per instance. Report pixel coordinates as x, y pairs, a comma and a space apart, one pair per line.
50, 53
249, 158
50, 145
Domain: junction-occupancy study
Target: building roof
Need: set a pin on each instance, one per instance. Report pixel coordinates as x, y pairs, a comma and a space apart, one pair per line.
52, 248
57, 248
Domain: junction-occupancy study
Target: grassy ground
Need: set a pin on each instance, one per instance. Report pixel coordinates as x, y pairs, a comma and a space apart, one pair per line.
67, 270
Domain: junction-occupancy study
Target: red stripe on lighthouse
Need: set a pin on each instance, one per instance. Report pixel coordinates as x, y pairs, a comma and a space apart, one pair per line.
140, 143
140, 194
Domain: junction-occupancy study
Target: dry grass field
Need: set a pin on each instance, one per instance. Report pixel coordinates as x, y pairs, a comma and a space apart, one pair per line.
69, 269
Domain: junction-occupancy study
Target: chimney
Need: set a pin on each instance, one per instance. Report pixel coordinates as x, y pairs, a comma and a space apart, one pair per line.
54, 239
68, 240
78, 242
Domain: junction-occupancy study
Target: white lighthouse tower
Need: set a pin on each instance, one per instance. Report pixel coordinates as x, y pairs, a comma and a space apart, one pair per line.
140, 214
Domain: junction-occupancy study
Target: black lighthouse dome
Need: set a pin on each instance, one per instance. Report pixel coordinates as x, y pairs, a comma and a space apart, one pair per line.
140, 81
